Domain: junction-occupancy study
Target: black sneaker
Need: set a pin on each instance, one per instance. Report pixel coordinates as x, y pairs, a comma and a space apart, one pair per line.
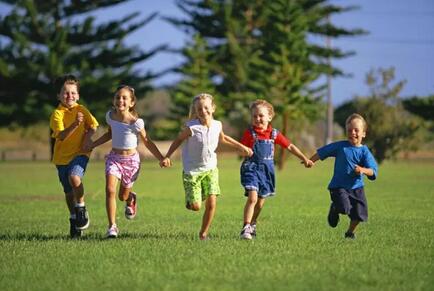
73, 232
333, 216
82, 220
350, 235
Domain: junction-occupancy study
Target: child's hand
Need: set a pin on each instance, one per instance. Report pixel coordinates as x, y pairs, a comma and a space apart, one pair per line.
165, 163
247, 152
308, 163
358, 170
79, 118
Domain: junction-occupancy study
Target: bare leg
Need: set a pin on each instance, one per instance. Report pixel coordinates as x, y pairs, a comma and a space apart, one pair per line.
208, 215
249, 208
77, 188
124, 193
258, 208
70, 202
353, 225
110, 202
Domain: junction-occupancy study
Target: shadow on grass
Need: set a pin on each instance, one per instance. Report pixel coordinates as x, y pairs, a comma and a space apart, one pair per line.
41, 237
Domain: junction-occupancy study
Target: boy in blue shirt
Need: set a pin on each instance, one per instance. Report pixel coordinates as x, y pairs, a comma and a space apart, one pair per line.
352, 161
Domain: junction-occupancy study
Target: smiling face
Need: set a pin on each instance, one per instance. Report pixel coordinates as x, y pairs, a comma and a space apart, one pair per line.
261, 117
355, 131
68, 95
204, 109
123, 100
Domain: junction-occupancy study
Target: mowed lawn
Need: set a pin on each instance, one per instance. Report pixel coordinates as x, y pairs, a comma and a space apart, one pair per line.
160, 250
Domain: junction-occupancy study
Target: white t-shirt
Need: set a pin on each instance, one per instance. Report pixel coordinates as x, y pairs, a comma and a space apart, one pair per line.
198, 152
124, 136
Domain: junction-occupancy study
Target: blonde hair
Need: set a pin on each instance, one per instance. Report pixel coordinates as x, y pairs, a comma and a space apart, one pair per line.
202, 96
132, 110
356, 116
260, 102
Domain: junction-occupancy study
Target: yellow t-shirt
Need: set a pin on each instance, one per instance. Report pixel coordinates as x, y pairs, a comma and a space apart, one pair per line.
61, 118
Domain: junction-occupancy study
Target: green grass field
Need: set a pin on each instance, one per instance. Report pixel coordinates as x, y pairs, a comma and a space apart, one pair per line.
160, 250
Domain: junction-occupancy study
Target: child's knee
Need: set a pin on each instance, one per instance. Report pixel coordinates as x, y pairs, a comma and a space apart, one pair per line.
193, 206
75, 181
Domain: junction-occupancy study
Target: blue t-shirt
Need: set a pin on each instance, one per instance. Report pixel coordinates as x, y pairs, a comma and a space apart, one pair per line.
347, 157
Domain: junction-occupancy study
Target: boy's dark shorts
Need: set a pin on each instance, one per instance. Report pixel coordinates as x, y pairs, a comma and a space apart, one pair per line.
76, 167
351, 202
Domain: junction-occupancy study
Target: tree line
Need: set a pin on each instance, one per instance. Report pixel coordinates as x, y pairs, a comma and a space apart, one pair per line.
238, 51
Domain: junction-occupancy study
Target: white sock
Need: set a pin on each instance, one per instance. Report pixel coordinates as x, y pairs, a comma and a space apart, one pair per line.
79, 204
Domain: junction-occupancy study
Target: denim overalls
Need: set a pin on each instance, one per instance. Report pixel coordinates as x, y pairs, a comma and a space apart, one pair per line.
257, 171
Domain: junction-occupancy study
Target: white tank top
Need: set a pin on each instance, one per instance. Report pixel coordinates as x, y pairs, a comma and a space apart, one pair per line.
124, 136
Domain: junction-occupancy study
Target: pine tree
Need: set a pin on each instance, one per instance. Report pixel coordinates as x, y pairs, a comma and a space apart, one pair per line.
41, 40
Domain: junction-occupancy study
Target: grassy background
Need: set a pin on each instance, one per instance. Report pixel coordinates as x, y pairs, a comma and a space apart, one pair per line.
160, 249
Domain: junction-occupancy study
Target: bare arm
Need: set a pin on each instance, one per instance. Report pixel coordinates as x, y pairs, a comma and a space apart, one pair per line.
366, 171
87, 140
64, 134
296, 152
314, 158
150, 145
102, 139
245, 151
175, 144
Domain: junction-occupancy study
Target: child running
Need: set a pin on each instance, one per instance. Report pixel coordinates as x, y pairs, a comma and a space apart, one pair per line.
257, 171
73, 126
123, 161
202, 135
352, 161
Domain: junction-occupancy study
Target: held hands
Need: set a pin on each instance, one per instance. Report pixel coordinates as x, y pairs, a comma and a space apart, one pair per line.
165, 163
246, 151
308, 163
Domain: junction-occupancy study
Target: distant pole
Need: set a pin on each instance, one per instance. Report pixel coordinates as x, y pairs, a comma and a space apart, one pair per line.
329, 122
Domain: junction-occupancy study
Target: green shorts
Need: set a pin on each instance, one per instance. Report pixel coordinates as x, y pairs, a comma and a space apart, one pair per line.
199, 187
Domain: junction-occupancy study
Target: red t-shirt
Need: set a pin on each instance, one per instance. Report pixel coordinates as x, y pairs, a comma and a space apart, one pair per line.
248, 140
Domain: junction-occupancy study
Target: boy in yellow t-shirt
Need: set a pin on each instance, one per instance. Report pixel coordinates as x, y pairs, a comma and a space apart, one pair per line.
73, 126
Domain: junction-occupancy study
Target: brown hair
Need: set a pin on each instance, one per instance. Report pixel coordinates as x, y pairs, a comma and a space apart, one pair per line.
356, 116
202, 96
68, 79
264, 103
133, 98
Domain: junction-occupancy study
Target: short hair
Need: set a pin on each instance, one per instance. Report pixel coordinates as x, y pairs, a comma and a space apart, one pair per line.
356, 116
67, 79
264, 103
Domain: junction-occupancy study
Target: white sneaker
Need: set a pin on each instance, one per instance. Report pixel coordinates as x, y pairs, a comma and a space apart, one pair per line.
246, 232
113, 231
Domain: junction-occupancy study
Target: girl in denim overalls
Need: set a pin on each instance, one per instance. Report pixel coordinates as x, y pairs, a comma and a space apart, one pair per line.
257, 171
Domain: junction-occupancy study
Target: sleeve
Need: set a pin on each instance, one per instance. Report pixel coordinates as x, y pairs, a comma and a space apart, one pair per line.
369, 162
139, 125
327, 151
56, 123
282, 140
247, 139
90, 120
108, 119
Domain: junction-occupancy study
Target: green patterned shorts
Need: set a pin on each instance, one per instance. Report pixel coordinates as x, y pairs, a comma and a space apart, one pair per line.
199, 186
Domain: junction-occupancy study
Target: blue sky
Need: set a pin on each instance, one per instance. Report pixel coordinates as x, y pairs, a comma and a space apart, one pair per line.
400, 36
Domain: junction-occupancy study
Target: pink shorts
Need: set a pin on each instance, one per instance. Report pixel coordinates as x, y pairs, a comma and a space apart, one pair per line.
125, 168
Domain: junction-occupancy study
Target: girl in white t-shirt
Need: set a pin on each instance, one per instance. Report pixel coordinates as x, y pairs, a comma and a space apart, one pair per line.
123, 161
202, 134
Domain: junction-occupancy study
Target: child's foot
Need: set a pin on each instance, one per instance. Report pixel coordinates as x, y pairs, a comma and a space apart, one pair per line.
246, 232
253, 230
82, 218
131, 209
333, 216
73, 231
203, 236
113, 231
350, 235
